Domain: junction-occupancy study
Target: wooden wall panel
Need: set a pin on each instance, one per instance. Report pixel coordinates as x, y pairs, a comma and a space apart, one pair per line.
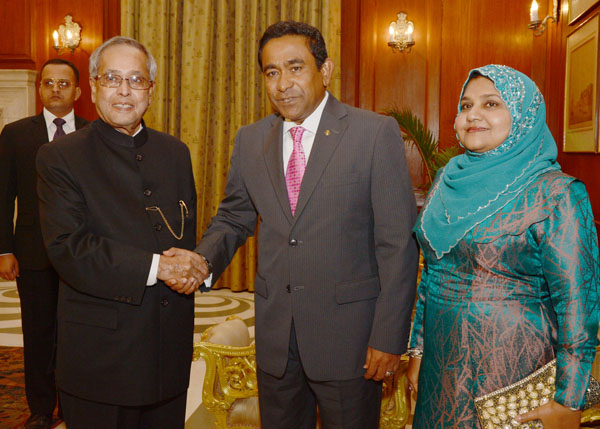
29, 43
350, 53
400, 78
373, 76
434, 64
17, 50
376, 78
474, 34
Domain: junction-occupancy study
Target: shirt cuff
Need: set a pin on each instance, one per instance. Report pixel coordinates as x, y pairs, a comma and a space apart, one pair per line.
208, 281
152, 275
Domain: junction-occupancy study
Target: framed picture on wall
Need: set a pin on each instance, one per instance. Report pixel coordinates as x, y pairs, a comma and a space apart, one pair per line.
581, 89
578, 7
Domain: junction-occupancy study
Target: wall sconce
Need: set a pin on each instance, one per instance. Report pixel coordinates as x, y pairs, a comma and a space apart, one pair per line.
67, 36
535, 24
401, 34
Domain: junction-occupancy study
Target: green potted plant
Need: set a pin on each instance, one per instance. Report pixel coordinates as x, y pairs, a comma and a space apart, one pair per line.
416, 133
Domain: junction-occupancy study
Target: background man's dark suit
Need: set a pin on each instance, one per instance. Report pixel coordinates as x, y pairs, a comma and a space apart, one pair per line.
38, 282
19, 143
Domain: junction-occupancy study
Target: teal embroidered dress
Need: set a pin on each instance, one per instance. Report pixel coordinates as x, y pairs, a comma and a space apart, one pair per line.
511, 271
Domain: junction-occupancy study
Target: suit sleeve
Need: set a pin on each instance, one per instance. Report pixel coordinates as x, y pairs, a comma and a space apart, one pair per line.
92, 264
8, 190
394, 211
235, 220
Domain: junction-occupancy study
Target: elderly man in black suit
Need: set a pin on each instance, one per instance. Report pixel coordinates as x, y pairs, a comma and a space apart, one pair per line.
113, 196
337, 261
22, 253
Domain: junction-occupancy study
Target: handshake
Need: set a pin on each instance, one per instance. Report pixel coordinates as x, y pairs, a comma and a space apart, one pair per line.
182, 270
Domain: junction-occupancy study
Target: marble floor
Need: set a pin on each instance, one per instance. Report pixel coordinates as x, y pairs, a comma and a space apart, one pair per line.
211, 308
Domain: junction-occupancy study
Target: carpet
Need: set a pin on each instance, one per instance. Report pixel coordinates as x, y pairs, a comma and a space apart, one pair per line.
14, 410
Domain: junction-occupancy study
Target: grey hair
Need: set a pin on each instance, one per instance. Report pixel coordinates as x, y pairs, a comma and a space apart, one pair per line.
122, 40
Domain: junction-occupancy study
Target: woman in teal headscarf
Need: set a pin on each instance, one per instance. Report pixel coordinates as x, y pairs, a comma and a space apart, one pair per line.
511, 271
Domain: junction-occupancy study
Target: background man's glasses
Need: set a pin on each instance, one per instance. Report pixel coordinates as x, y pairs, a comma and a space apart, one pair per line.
111, 80
62, 83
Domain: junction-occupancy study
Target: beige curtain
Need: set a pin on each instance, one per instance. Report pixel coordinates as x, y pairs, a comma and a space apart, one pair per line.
209, 84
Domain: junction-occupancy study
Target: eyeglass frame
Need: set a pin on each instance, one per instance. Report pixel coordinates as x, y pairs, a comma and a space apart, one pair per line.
51, 83
98, 78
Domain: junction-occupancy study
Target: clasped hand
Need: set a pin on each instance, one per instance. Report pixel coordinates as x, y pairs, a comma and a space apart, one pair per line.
553, 416
182, 270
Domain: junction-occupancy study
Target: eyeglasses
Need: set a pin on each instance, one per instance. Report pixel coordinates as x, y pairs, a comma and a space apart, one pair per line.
62, 83
111, 80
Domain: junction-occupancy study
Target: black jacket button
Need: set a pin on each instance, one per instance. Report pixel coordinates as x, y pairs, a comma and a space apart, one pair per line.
164, 301
147, 192
139, 157
293, 242
158, 227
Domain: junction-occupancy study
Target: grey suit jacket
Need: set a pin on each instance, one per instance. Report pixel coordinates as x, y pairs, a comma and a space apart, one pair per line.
344, 267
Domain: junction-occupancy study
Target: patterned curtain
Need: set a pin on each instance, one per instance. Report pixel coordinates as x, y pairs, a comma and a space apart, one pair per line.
209, 83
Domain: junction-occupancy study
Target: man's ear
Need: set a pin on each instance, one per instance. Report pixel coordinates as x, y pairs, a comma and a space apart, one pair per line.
327, 71
77, 93
93, 89
151, 93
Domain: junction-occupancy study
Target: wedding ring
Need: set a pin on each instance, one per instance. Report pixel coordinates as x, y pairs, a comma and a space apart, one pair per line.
389, 373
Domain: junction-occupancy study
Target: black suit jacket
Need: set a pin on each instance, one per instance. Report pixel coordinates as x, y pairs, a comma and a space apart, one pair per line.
119, 341
19, 143
344, 267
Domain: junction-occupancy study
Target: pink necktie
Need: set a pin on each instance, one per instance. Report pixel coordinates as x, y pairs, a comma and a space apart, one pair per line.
296, 167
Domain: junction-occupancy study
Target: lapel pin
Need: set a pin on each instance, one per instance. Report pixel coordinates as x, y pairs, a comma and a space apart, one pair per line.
327, 132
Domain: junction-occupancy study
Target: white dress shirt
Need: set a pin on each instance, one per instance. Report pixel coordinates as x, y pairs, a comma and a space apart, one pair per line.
68, 127
310, 125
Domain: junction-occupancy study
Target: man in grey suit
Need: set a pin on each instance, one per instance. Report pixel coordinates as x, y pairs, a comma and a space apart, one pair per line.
337, 261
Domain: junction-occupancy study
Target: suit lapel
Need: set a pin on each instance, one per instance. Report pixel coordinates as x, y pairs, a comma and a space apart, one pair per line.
39, 130
273, 153
329, 135
80, 123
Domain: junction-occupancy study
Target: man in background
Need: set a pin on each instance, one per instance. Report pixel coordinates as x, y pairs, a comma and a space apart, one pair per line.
337, 262
22, 253
113, 197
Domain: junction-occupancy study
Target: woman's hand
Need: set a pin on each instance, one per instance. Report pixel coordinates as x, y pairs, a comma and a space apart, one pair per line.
412, 373
553, 416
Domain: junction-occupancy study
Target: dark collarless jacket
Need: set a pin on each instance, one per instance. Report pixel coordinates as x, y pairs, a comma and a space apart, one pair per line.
19, 143
119, 341
343, 268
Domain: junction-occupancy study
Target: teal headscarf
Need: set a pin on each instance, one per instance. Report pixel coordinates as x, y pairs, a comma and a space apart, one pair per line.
474, 186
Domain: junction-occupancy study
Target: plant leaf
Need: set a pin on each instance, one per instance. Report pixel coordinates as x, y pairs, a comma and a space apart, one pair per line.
416, 133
